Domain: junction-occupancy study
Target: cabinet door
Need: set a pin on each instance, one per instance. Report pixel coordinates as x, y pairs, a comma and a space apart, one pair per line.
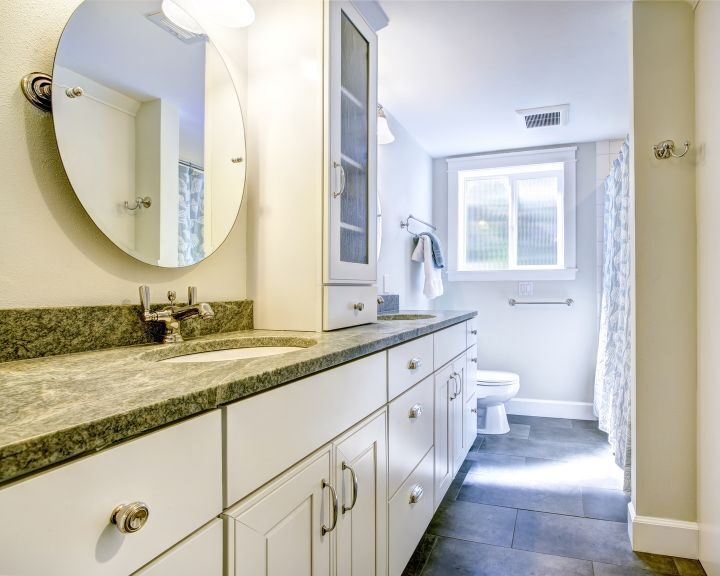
279, 531
361, 478
353, 148
445, 389
470, 424
458, 413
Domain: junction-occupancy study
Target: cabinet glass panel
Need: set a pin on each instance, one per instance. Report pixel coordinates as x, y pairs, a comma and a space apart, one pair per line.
354, 81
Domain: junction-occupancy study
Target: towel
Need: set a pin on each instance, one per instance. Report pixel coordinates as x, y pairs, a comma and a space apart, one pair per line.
433, 286
437, 253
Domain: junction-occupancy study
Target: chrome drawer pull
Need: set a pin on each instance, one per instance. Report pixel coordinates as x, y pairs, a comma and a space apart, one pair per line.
473, 360
359, 306
473, 410
337, 165
325, 530
454, 394
131, 517
416, 494
354, 479
416, 411
415, 363
473, 332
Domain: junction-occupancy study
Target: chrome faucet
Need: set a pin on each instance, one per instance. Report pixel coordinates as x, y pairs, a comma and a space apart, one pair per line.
172, 315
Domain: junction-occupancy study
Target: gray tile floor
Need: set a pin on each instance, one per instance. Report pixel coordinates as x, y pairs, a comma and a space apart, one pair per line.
545, 499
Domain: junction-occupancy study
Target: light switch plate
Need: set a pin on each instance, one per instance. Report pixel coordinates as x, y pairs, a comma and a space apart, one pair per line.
526, 289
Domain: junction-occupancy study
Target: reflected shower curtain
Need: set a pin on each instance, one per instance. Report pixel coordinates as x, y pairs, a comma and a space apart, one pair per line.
191, 215
613, 371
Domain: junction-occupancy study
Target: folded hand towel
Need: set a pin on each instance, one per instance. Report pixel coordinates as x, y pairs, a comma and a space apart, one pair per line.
433, 286
437, 253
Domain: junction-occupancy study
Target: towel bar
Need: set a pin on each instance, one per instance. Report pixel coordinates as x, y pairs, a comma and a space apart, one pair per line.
567, 302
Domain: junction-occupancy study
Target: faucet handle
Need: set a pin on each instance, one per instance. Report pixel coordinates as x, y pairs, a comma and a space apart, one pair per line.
192, 295
145, 297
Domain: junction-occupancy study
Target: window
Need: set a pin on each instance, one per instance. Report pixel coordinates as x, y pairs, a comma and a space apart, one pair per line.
512, 216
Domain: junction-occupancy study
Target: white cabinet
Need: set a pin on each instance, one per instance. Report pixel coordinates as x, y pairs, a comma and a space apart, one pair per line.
351, 253
58, 522
470, 424
452, 441
199, 553
361, 480
283, 529
330, 507
312, 83
445, 387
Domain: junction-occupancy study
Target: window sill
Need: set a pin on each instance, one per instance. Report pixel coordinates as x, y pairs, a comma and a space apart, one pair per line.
511, 275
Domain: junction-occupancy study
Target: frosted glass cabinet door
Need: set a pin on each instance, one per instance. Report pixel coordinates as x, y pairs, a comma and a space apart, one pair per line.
353, 147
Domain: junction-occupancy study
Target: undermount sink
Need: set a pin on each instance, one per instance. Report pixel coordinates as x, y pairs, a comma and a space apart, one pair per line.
406, 317
231, 349
233, 354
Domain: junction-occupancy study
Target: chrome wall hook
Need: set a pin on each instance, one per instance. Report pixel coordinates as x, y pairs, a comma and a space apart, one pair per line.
666, 149
140, 202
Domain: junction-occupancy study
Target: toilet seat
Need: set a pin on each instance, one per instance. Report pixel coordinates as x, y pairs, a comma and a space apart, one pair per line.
496, 378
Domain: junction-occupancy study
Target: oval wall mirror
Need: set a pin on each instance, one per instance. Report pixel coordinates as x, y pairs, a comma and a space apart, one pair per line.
150, 130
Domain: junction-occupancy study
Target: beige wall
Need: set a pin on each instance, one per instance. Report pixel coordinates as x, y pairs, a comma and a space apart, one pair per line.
51, 253
707, 135
664, 404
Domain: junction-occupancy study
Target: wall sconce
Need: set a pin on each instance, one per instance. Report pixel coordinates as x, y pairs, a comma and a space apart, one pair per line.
384, 135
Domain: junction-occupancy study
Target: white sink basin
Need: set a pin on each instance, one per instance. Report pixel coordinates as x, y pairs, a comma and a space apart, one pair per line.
233, 354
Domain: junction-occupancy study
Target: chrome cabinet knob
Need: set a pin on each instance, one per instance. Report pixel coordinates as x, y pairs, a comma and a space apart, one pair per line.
131, 517
415, 411
473, 410
359, 306
415, 363
416, 494
473, 332
473, 360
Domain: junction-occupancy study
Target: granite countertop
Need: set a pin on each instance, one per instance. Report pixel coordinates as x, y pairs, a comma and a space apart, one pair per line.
59, 407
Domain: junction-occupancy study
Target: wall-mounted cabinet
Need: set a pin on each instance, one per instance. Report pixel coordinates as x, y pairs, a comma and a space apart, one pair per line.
312, 148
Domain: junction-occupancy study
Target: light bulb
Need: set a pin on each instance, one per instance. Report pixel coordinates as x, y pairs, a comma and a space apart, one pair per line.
180, 17
384, 135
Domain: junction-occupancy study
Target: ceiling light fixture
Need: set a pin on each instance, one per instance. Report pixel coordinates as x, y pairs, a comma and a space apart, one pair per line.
180, 17
384, 135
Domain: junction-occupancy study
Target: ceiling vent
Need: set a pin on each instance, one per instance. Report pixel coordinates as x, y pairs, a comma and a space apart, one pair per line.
181, 34
544, 117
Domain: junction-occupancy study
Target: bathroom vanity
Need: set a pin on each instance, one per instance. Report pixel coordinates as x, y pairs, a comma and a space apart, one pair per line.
330, 459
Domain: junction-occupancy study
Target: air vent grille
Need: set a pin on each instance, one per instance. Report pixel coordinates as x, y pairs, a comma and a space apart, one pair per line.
544, 117
180, 33
542, 120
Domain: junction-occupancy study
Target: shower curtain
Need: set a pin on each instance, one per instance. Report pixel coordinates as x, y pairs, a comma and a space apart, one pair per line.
613, 370
191, 215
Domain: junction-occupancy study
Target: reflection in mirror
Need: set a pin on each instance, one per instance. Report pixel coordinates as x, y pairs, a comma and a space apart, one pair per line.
150, 130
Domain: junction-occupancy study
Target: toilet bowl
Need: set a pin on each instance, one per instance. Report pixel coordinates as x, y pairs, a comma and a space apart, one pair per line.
494, 389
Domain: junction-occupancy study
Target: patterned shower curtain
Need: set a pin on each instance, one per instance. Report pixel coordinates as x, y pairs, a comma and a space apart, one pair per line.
613, 370
191, 214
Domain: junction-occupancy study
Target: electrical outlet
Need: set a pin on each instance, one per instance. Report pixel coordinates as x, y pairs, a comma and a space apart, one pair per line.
525, 289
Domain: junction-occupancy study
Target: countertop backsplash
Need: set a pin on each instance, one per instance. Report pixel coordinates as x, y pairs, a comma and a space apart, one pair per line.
27, 333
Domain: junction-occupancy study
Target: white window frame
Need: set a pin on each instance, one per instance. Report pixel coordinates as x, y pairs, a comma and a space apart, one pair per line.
567, 270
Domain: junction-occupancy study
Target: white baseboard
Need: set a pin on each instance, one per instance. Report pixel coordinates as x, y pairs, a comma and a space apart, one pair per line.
550, 408
663, 535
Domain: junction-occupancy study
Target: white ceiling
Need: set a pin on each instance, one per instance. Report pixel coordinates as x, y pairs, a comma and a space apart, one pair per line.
454, 72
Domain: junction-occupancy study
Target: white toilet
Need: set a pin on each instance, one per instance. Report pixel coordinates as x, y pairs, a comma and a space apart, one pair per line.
494, 389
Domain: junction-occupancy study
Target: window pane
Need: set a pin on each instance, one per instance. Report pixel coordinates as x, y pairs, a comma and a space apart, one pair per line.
537, 221
487, 208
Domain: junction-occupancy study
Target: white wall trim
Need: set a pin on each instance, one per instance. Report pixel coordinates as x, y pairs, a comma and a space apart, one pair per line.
663, 535
551, 408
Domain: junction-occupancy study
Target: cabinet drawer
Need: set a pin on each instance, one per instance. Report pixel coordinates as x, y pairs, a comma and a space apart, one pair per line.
349, 306
408, 520
449, 343
471, 372
408, 364
410, 431
61, 519
268, 433
471, 326
199, 553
